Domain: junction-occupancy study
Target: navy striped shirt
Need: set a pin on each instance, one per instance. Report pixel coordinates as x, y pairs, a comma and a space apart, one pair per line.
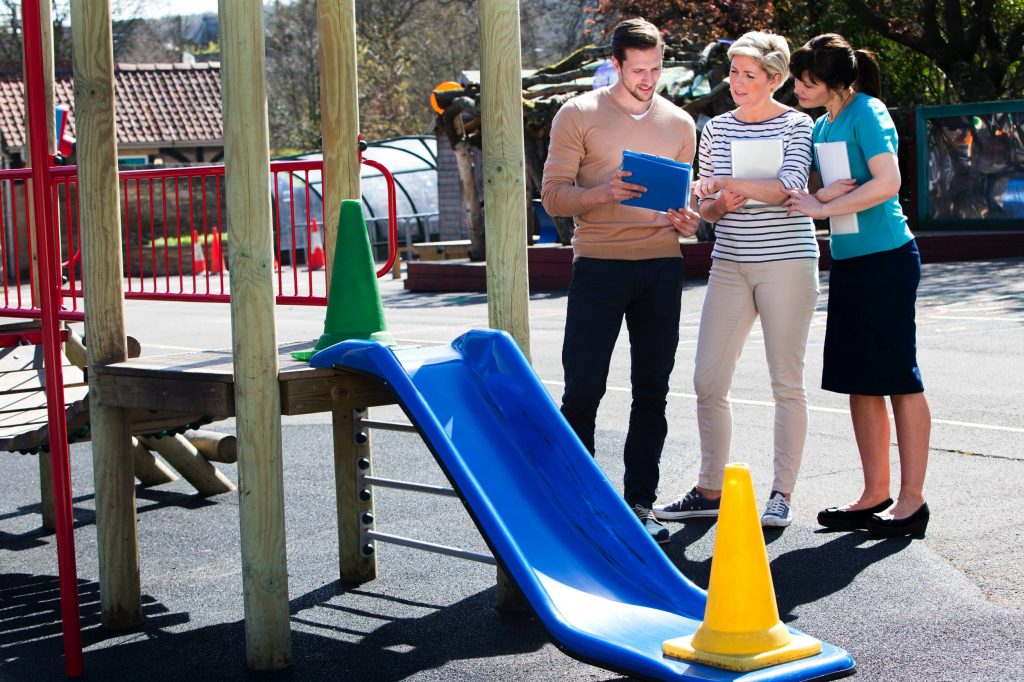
758, 234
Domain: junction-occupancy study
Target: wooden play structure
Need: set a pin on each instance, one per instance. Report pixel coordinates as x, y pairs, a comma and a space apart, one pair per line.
256, 382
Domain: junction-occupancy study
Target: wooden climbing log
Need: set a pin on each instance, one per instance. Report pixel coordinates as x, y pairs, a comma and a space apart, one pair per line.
214, 446
193, 467
148, 469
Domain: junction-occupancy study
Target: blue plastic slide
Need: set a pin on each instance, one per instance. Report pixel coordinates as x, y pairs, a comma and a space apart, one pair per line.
603, 589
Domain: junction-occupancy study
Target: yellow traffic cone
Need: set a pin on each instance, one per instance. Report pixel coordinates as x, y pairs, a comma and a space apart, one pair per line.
741, 629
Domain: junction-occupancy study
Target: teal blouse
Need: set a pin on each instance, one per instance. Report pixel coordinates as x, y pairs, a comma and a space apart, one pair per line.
867, 129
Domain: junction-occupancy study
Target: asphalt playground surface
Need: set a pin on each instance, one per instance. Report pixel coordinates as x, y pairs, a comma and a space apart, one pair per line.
949, 607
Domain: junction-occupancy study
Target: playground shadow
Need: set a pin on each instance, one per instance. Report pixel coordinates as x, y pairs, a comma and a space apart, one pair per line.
804, 576
801, 576
30, 619
698, 571
336, 634
965, 281
85, 516
440, 299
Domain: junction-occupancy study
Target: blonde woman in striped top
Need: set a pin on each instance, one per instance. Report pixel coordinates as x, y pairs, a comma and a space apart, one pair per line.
765, 265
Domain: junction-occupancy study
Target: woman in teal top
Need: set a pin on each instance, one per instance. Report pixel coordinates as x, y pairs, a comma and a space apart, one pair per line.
870, 338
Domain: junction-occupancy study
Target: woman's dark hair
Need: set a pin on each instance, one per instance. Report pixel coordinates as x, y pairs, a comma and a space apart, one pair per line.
829, 59
638, 34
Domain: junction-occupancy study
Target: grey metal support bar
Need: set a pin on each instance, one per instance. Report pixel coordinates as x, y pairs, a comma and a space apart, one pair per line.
431, 547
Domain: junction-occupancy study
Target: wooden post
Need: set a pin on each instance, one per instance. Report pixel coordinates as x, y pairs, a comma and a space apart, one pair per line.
339, 113
46, 36
351, 445
253, 334
100, 224
339, 117
501, 109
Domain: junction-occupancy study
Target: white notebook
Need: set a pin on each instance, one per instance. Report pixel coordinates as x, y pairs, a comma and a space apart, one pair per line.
756, 160
834, 165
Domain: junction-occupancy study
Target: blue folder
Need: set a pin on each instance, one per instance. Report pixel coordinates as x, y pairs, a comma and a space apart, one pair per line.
667, 181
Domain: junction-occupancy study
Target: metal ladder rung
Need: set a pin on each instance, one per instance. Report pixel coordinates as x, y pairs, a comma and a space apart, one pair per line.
431, 547
388, 426
409, 485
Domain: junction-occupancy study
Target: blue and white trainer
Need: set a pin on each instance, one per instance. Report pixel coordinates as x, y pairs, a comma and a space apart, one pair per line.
658, 532
692, 505
777, 513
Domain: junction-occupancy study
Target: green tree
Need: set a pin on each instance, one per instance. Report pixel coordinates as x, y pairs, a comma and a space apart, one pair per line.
686, 21
976, 43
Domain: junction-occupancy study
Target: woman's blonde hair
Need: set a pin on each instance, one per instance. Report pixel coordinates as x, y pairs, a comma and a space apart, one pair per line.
769, 50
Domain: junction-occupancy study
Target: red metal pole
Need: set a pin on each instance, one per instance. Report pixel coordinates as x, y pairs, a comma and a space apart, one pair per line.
50, 298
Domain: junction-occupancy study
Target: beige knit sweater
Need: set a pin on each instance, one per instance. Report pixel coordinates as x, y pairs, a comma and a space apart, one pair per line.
588, 136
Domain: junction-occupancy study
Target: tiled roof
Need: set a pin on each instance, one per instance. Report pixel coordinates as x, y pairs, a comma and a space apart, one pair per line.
156, 104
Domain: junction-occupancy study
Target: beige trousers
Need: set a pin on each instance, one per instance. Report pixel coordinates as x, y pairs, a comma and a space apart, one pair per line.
783, 294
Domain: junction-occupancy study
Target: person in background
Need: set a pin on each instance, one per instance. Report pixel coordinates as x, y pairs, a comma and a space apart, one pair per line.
626, 261
870, 337
765, 265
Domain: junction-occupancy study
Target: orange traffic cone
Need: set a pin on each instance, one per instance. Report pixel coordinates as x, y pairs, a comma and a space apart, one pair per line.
198, 256
317, 259
216, 254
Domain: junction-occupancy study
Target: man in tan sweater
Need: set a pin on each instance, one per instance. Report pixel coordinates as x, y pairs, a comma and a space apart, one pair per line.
627, 261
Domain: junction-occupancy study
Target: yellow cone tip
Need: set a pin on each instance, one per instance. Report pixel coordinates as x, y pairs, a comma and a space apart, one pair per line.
800, 646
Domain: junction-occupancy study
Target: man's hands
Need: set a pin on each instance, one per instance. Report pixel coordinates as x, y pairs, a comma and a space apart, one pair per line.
685, 221
615, 191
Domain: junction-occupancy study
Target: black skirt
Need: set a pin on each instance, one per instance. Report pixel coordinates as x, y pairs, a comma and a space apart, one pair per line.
870, 335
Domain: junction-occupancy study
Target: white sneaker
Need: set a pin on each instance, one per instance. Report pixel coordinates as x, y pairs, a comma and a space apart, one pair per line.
777, 513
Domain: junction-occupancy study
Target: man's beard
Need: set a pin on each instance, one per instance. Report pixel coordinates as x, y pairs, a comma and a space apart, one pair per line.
639, 96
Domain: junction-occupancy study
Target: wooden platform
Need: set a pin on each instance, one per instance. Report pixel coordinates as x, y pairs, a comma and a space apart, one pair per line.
203, 382
23, 397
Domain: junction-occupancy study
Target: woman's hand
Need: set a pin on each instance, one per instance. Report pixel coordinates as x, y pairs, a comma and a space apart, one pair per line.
705, 187
685, 221
800, 201
835, 190
728, 201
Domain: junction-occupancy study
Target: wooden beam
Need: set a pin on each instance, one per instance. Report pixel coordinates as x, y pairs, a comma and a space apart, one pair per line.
100, 225
352, 448
253, 335
339, 112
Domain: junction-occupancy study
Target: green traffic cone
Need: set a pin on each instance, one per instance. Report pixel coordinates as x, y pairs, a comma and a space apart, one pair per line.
354, 309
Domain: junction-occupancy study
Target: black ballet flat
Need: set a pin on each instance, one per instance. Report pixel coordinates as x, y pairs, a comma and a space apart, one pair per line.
842, 519
913, 525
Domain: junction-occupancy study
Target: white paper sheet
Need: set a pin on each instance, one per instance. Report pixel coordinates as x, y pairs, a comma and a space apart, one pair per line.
756, 160
835, 165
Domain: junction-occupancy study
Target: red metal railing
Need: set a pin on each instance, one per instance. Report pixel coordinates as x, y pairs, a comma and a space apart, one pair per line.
172, 230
